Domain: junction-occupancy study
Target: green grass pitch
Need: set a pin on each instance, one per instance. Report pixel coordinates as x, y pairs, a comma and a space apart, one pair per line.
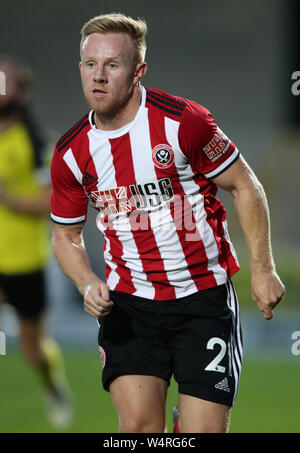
268, 399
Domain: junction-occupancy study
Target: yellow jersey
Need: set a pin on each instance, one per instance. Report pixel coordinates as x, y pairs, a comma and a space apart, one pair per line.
24, 238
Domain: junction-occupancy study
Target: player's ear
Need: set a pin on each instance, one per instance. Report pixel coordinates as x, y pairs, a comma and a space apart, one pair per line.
140, 71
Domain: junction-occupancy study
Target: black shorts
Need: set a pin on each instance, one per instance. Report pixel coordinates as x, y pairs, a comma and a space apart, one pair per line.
196, 338
25, 292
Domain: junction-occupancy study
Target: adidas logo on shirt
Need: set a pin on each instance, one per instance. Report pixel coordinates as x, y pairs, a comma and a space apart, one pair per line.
223, 385
88, 179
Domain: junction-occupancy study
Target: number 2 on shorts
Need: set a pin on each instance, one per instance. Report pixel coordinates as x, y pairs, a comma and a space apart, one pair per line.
214, 364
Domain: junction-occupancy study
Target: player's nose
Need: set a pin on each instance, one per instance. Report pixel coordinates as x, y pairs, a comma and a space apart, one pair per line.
100, 74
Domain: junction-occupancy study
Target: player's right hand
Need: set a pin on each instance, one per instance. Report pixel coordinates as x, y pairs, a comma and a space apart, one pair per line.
267, 291
97, 301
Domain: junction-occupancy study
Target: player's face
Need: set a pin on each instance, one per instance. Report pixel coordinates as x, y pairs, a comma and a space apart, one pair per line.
107, 72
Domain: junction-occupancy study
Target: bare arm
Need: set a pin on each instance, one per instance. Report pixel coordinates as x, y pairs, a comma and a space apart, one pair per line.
72, 257
34, 205
252, 209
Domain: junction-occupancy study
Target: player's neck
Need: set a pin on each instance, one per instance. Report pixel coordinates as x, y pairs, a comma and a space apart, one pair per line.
124, 116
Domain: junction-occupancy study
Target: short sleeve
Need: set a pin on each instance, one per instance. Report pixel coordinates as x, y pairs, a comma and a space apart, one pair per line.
207, 148
69, 203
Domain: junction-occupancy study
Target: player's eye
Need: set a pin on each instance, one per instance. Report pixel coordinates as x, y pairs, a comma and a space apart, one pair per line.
112, 65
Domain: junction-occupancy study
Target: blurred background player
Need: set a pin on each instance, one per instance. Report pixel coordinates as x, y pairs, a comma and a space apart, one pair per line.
25, 191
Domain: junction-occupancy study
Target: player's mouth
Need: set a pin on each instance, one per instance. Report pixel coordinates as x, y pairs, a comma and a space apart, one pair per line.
99, 93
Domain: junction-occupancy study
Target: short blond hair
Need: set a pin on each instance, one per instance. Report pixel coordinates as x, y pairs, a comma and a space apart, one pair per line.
119, 23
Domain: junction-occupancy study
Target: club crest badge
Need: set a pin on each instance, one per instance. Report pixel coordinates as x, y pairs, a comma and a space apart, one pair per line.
163, 156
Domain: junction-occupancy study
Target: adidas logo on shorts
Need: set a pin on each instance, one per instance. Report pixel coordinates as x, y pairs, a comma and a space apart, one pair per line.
223, 385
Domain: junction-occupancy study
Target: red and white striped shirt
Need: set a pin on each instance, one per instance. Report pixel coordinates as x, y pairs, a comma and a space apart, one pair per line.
165, 231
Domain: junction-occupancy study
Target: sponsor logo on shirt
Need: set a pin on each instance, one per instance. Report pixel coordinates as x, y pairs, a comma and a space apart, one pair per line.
217, 146
163, 156
134, 197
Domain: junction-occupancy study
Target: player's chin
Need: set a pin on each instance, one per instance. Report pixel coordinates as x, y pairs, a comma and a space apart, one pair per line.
94, 103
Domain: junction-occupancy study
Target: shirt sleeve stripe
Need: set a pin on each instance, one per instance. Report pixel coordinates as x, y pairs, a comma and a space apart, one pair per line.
224, 165
67, 221
72, 164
